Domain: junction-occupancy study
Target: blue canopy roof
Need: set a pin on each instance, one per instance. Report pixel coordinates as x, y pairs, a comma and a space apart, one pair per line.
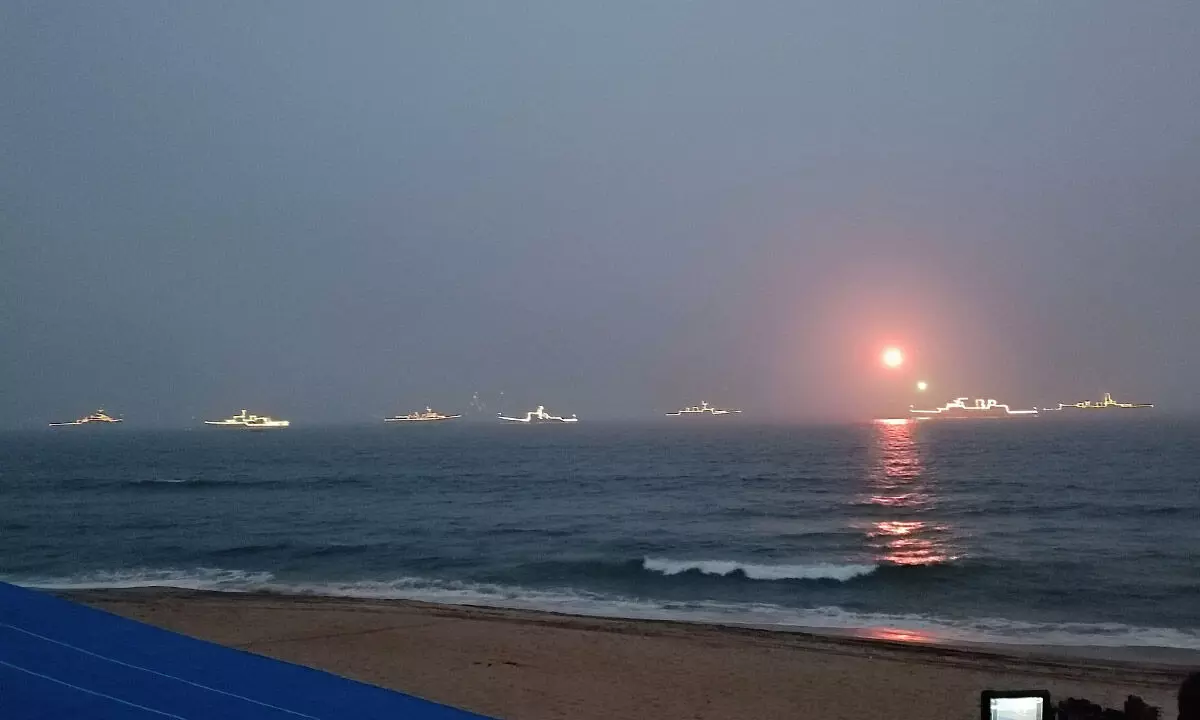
59, 659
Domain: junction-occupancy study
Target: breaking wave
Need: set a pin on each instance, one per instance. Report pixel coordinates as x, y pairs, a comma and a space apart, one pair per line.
725, 568
195, 579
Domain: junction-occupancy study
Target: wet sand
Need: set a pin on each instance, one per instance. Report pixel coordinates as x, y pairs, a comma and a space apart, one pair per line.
525, 665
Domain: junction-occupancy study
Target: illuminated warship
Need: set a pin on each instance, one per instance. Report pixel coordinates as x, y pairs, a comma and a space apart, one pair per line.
702, 409
428, 416
539, 416
99, 417
958, 409
249, 422
1106, 404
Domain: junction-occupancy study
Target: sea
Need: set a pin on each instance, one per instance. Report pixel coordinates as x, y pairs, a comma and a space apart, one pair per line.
1029, 532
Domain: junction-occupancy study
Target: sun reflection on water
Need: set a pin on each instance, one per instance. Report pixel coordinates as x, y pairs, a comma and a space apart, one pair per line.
897, 635
899, 494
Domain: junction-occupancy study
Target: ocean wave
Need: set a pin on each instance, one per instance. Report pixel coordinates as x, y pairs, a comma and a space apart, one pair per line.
649, 571
168, 483
238, 551
754, 571
194, 579
194, 483
150, 484
578, 602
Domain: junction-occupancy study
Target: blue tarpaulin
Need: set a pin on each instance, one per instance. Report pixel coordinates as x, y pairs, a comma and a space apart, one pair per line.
59, 659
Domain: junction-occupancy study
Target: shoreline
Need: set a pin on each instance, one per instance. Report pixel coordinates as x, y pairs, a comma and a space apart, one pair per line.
875, 628
516, 663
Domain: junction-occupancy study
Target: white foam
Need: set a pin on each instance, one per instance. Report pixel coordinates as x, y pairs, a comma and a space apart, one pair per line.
817, 571
976, 630
195, 579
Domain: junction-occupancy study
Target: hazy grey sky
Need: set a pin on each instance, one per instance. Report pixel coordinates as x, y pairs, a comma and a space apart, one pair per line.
339, 210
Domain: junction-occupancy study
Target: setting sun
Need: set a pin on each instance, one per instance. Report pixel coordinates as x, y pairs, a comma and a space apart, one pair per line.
893, 358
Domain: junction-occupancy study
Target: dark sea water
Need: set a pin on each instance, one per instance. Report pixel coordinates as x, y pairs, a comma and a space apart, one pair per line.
1040, 531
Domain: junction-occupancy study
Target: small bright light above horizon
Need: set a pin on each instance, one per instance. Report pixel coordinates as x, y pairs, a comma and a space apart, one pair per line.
922, 385
893, 358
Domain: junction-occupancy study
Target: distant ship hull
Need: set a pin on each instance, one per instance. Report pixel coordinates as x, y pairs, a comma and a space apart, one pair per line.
523, 421
96, 419
422, 419
1106, 404
702, 410
982, 409
246, 421
539, 417
428, 416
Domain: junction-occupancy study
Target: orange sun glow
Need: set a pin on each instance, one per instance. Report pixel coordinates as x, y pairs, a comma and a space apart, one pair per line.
892, 357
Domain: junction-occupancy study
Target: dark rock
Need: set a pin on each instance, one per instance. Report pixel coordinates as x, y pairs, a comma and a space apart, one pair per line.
1081, 709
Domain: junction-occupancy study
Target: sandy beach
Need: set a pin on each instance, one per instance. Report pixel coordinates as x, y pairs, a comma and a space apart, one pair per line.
524, 665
